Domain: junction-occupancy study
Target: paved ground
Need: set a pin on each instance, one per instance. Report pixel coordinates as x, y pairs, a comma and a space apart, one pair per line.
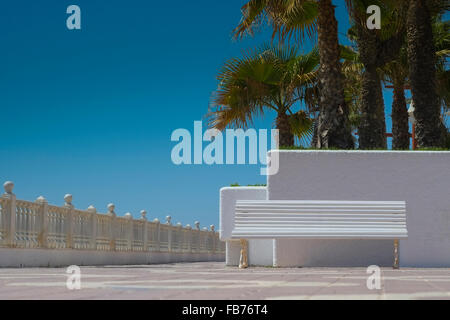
215, 281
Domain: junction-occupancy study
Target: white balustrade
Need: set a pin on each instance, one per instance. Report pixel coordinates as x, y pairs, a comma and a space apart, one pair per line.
25, 224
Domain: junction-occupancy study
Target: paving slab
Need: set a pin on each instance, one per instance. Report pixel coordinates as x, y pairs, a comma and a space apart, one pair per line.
215, 281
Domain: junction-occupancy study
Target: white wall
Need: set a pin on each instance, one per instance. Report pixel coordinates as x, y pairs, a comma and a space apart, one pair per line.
260, 252
232, 252
333, 253
13, 258
422, 179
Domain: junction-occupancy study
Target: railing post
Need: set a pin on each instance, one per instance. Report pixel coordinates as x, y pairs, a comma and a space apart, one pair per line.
130, 231
70, 222
197, 229
179, 233
205, 240
10, 220
189, 237
144, 230
169, 233
158, 232
43, 216
112, 215
93, 242
213, 238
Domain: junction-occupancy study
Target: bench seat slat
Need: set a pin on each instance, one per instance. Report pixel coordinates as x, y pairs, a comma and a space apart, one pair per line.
318, 211
319, 202
332, 206
320, 216
353, 226
325, 219
320, 236
320, 219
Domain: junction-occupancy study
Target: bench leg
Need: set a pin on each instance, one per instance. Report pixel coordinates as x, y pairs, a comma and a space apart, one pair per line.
396, 255
243, 260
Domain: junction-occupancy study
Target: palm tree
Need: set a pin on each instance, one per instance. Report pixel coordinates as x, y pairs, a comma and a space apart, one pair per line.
298, 17
422, 70
352, 70
397, 71
375, 49
270, 77
441, 33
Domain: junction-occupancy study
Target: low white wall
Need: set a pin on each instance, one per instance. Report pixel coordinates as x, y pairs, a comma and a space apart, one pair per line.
61, 257
260, 252
233, 252
422, 179
333, 253
228, 197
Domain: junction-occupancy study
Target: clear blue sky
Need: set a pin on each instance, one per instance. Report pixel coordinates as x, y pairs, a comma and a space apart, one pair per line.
91, 112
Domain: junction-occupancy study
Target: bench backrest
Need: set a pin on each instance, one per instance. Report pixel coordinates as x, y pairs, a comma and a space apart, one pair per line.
272, 219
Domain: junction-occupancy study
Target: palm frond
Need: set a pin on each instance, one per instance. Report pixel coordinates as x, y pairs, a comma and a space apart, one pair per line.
270, 76
302, 126
296, 18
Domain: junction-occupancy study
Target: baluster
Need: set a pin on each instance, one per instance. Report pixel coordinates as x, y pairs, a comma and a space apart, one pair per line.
34, 226
60, 227
25, 226
19, 226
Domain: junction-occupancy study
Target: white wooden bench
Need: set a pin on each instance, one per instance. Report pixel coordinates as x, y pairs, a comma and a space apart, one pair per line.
274, 219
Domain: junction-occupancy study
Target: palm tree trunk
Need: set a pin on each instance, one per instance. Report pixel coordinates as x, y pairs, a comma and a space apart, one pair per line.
422, 72
400, 126
334, 128
372, 128
285, 132
315, 133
